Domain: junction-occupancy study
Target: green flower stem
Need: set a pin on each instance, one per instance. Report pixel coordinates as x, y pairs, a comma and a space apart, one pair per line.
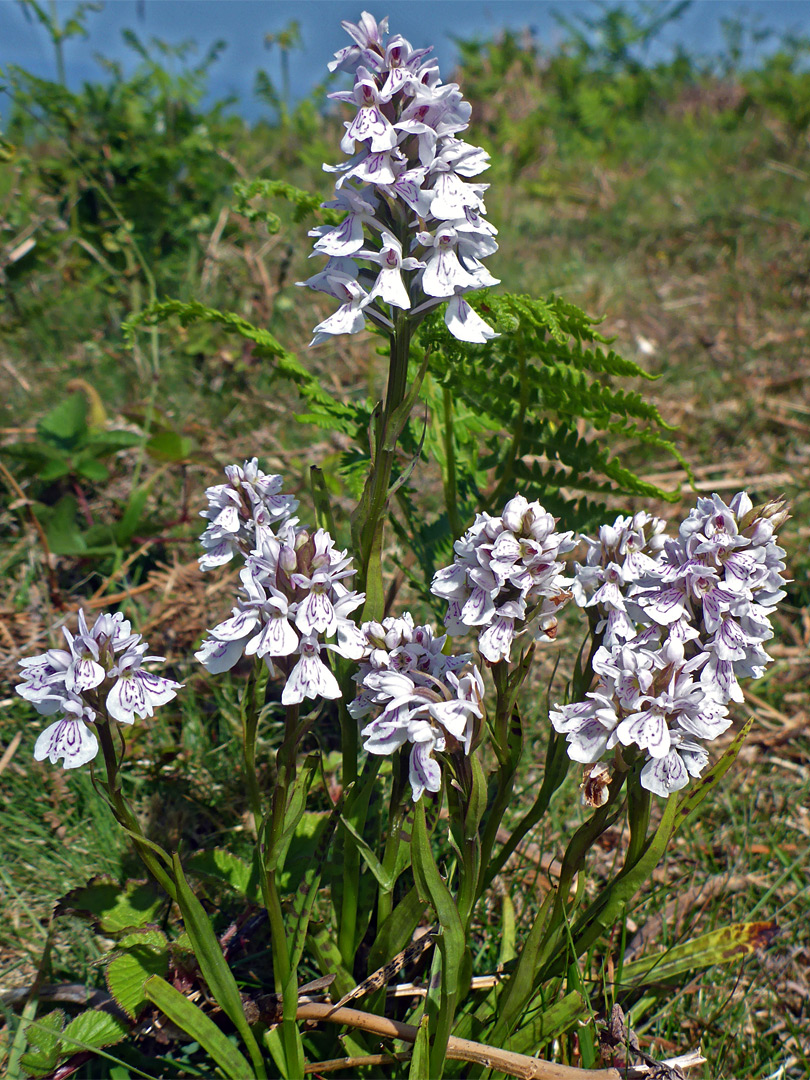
369, 518
125, 817
573, 862
630, 879
286, 986
393, 843
556, 770
449, 476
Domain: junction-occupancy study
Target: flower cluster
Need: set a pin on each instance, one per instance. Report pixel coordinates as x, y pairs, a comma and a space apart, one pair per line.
701, 614
506, 579
417, 695
251, 499
99, 677
622, 555
293, 595
414, 233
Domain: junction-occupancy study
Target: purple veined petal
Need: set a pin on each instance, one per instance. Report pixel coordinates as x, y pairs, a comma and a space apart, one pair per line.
423, 772
157, 690
277, 638
565, 718
351, 641
730, 641
496, 641
376, 168
84, 674
218, 555
465, 324
69, 739
443, 274
127, 699
664, 607
451, 195
344, 239
240, 627
310, 678
390, 288
218, 656
479, 608
588, 742
454, 622
316, 614
664, 775
383, 736
369, 125
450, 582
228, 520
648, 730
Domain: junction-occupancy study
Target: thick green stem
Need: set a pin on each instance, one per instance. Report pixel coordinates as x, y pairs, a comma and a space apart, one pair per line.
370, 516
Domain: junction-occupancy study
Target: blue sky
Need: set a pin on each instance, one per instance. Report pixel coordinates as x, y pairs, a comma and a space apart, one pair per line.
244, 23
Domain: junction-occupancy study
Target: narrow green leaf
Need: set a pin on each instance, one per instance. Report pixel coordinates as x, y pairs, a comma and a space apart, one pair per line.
420, 1059
191, 1019
212, 963
549, 1023
709, 781
723, 946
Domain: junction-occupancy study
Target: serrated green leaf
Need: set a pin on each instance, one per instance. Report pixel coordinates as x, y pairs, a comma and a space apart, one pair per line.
222, 865
146, 953
112, 907
92, 469
169, 446
61, 527
93, 1028
191, 1019
66, 423
44, 1032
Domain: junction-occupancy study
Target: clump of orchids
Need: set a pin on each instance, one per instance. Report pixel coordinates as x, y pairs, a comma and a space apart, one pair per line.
674, 623
677, 622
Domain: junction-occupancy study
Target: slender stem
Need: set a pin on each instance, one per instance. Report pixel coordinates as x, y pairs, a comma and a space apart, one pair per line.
286, 982
450, 483
124, 815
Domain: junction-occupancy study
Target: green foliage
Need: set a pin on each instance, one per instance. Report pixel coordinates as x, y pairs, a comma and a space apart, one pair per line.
89, 1030
535, 410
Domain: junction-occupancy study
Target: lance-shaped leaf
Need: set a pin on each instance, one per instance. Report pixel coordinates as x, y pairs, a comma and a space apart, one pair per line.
723, 946
191, 1019
213, 965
